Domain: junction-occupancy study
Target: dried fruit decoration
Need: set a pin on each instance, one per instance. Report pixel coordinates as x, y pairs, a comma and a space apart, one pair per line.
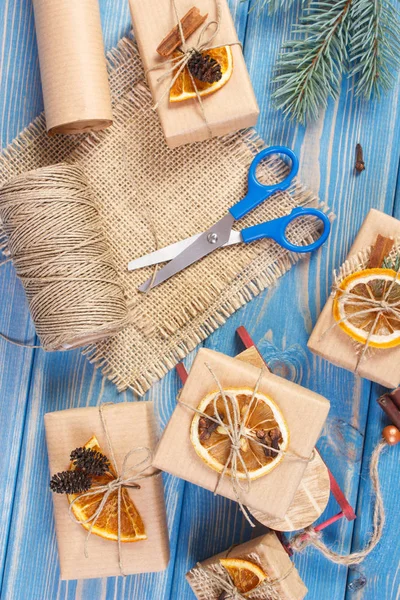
245, 575
89, 468
183, 89
264, 435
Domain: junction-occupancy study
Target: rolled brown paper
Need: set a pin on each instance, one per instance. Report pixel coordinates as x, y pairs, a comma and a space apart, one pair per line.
388, 406
73, 68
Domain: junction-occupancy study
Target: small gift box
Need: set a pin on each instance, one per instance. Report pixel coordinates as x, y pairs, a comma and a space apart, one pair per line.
88, 545
230, 108
260, 568
242, 432
359, 327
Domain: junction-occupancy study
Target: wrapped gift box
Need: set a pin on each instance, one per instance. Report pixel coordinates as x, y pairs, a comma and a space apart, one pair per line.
130, 425
304, 411
269, 554
229, 109
333, 344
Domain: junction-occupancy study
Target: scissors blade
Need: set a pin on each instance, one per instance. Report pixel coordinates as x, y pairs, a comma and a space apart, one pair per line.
215, 237
169, 252
163, 254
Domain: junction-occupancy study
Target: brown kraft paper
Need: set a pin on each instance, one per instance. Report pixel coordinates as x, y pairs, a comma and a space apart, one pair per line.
229, 109
379, 365
73, 67
274, 561
130, 425
304, 411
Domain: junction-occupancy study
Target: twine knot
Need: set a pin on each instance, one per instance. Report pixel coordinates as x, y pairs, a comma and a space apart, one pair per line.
304, 539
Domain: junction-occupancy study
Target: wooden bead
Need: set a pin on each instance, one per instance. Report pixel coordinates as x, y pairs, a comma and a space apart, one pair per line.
391, 435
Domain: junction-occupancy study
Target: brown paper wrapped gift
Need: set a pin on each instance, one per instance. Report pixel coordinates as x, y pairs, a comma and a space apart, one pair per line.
270, 555
129, 425
229, 109
379, 365
304, 411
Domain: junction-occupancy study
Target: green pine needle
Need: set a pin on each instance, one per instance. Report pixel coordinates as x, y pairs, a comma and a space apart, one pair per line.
392, 264
374, 46
361, 37
272, 5
310, 67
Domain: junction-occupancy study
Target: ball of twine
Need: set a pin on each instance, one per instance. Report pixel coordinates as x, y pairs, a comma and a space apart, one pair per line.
57, 244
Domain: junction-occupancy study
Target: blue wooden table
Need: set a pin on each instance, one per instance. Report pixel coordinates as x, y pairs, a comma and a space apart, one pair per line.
280, 320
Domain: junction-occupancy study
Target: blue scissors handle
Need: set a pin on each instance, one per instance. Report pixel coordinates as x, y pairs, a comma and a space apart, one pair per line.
276, 230
258, 192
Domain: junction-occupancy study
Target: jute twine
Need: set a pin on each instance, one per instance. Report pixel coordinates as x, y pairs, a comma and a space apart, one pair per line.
178, 64
368, 307
209, 582
124, 479
56, 242
235, 428
310, 537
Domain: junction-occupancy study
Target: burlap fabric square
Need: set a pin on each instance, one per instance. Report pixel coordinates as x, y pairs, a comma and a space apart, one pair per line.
150, 196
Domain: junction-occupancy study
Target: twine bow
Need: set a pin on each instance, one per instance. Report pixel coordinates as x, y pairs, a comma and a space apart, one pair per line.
235, 429
223, 582
179, 63
124, 479
370, 307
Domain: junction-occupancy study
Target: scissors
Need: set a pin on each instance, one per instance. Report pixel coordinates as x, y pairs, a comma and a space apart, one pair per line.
186, 252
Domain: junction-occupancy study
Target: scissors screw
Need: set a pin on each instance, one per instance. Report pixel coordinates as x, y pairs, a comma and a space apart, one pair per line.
212, 238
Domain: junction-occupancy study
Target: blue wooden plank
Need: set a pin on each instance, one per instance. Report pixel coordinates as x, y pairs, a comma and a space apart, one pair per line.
327, 157
64, 380
17, 70
326, 151
381, 567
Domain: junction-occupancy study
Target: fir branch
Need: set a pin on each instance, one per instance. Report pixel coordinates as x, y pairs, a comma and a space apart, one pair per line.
272, 5
388, 263
374, 45
310, 67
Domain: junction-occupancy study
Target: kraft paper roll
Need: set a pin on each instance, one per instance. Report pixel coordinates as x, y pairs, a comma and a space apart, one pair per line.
72, 65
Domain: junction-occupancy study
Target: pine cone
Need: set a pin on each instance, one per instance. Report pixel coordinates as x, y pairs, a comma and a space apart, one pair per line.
91, 461
70, 482
204, 67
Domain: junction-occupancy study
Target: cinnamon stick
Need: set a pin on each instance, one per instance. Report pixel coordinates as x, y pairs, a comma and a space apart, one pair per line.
380, 250
190, 22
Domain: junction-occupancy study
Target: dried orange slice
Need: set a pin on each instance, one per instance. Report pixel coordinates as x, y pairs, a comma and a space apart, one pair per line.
264, 427
106, 526
183, 87
357, 297
246, 575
